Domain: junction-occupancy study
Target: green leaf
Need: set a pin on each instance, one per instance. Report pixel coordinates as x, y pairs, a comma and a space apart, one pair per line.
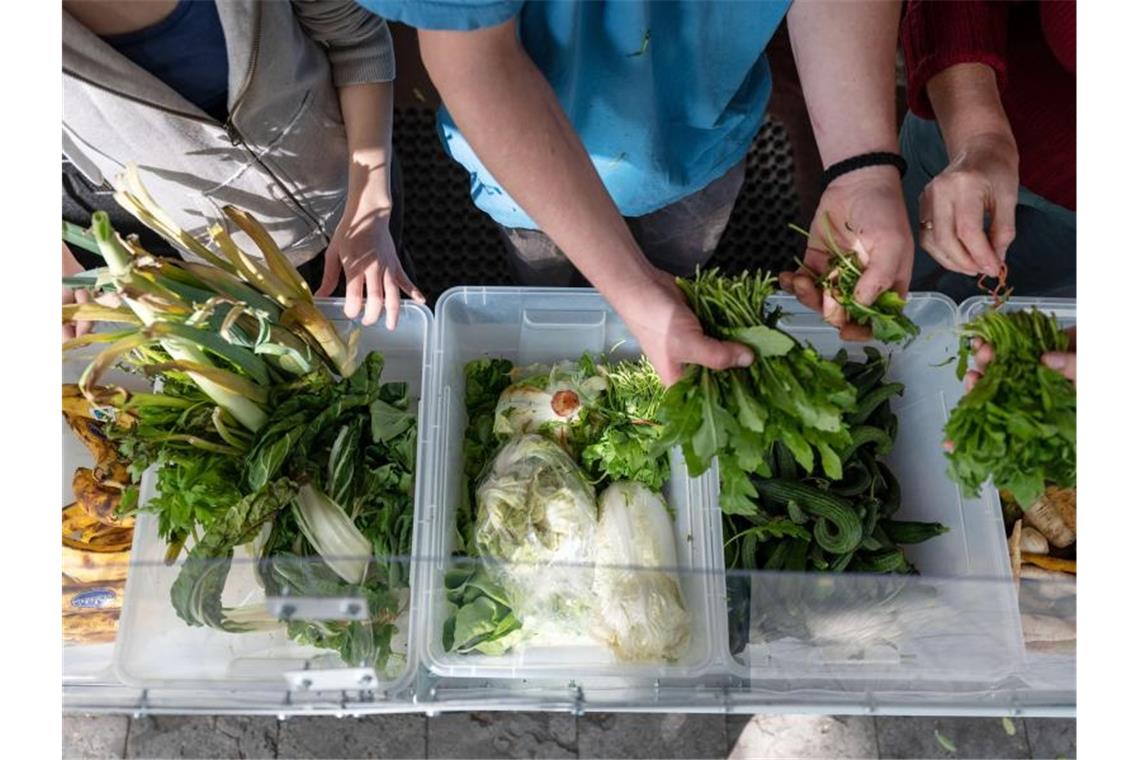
947, 745
765, 341
388, 421
343, 458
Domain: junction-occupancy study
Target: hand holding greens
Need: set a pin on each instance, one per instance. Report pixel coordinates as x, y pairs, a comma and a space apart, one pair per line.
1018, 424
789, 394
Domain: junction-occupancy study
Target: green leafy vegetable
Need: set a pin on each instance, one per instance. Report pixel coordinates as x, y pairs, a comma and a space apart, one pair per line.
885, 315
621, 440
789, 394
1018, 424
808, 520
638, 597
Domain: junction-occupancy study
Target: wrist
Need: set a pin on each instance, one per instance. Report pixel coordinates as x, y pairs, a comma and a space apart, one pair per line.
629, 281
883, 174
966, 102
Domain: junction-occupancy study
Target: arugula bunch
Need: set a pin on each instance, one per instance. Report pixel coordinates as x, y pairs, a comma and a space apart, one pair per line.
622, 438
885, 315
1018, 424
789, 394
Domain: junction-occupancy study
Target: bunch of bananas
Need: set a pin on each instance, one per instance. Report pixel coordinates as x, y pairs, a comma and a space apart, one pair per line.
96, 541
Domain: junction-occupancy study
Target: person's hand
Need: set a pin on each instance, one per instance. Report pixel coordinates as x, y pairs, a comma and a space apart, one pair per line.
1065, 363
77, 295
362, 247
670, 334
981, 179
869, 216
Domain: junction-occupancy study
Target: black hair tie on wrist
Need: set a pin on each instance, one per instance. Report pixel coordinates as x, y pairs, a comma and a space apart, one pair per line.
862, 161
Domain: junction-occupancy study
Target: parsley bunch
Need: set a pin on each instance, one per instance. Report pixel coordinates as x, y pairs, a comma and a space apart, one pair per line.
885, 315
1019, 422
789, 394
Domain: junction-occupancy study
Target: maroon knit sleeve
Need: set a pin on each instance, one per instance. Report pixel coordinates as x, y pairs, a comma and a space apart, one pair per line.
938, 34
1059, 24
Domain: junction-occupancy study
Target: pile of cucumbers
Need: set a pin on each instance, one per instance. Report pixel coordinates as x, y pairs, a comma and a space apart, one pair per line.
808, 522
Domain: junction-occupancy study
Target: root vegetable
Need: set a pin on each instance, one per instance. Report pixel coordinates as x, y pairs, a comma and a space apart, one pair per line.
1015, 551
1044, 628
1046, 516
1046, 562
1033, 541
1048, 584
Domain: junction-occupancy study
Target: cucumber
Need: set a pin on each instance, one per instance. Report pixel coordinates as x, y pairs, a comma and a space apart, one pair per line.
785, 462
838, 529
888, 561
796, 560
909, 532
873, 400
892, 496
856, 480
871, 519
866, 380
865, 434
841, 564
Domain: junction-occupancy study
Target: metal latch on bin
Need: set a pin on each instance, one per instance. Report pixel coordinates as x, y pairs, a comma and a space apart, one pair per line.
332, 679
318, 607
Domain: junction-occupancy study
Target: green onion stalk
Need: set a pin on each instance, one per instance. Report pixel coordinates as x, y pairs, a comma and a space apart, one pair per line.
235, 326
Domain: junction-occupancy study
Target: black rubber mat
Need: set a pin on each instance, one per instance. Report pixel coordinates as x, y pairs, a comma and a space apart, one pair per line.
454, 243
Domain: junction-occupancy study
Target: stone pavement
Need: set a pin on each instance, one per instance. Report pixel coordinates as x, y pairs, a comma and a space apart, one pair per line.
558, 735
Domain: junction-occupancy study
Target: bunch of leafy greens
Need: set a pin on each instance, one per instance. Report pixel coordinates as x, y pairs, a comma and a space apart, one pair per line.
1018, 424
265, 433
636, 592
885, 315
331, 473
789, 394
486, 379
535, 504
623, 441
807, 521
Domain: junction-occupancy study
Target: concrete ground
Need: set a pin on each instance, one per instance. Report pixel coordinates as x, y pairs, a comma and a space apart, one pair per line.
560, 735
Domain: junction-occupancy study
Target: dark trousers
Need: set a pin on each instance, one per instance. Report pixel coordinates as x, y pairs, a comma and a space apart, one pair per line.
677, 238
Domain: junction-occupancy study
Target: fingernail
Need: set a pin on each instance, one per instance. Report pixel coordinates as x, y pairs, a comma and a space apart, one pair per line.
1054, 361
744, 359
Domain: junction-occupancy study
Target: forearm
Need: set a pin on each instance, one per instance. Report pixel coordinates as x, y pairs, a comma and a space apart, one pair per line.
845, 55
367, 113
967, 104
515, 124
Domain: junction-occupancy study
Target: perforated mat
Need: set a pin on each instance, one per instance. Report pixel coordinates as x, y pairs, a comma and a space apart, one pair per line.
454, 243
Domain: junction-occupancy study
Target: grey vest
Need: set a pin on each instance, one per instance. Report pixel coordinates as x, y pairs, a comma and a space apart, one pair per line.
282, 153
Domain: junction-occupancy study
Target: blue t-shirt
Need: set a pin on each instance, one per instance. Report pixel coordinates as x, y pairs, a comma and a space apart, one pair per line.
187, 51
665, 96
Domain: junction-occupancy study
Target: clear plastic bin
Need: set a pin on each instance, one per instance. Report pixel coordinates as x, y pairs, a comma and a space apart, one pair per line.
1045, 669
870, 628
529, 325
83, 662
155, 648
924, 645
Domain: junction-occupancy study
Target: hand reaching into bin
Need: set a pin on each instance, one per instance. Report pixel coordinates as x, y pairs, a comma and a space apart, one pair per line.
510, 116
